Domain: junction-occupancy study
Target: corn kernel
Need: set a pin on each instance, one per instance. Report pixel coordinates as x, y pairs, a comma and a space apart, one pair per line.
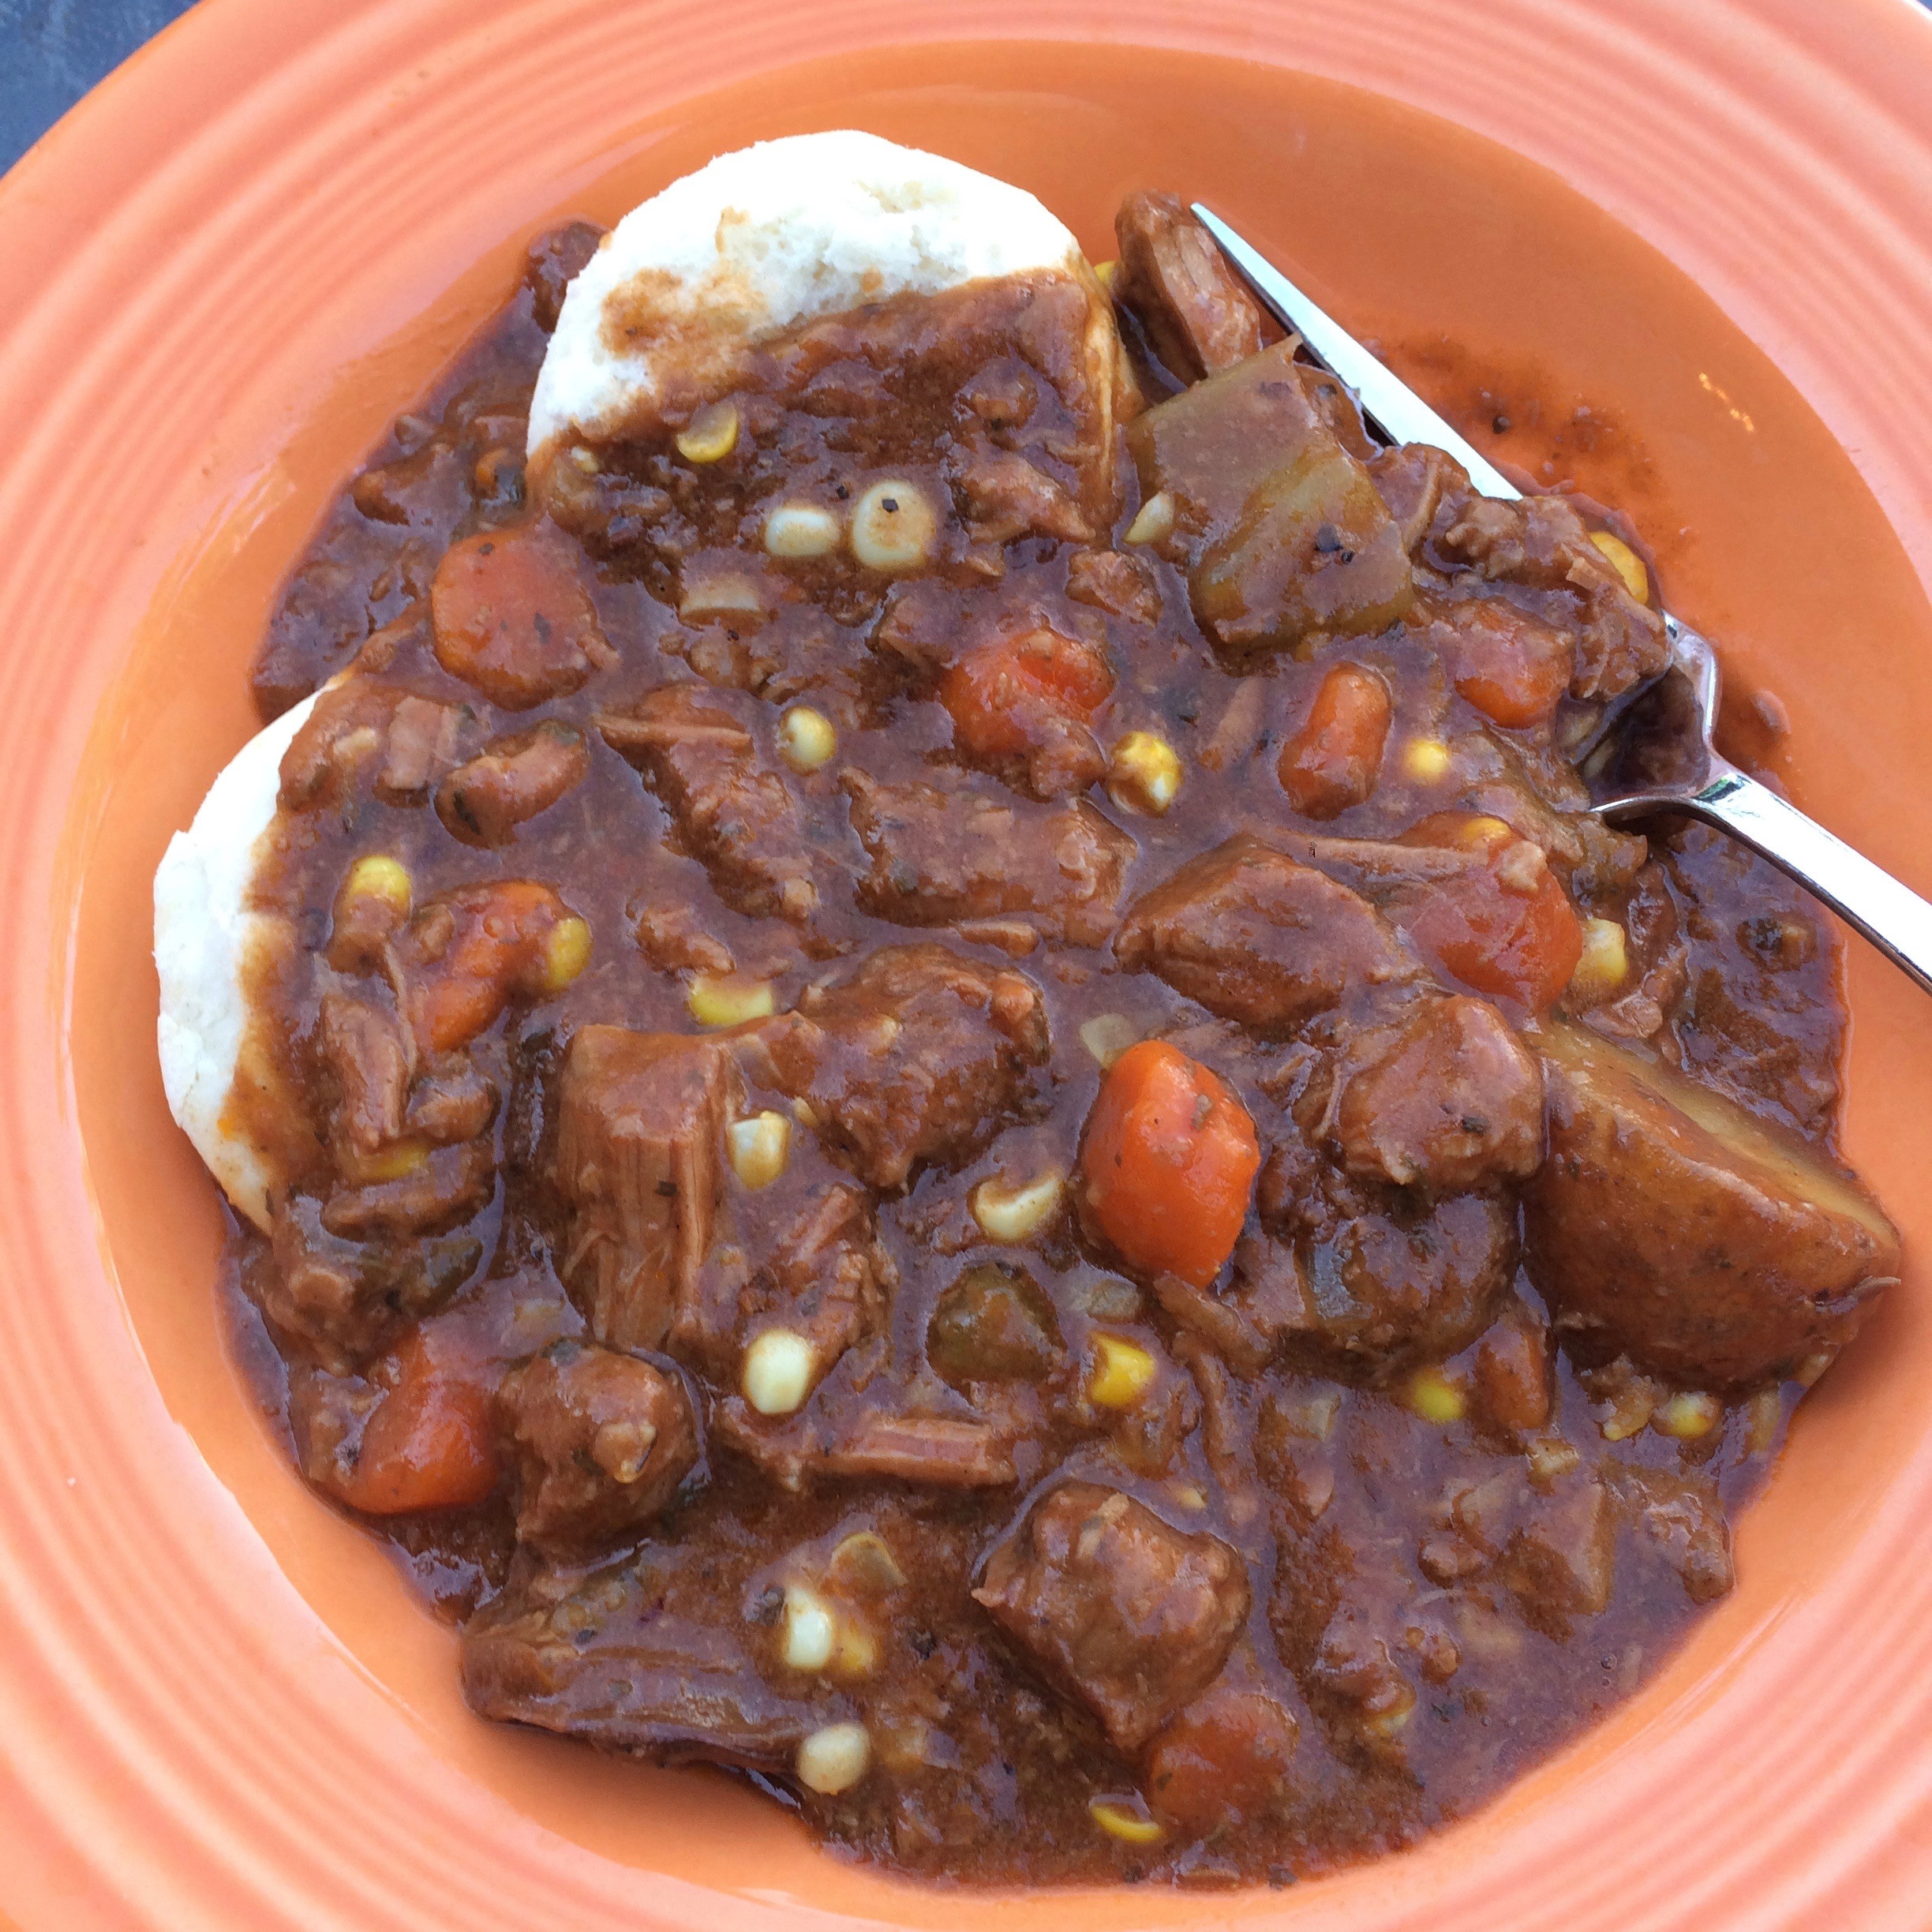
801, 529
726, 999
760, 1147
1766, 1411
864, 1561
1107, 1036
1123, 1370
1628, 1418
856, 1652
1016, 1214
1688, 1415
396, 1162
806, 739
1425, 760
1626, 562
1604, 964
1154, 520
809, 1634
1122, 1819
1190, 1496
722, 593
566, 953
893, 527
711, 434
779, 1368
1481, 832
834, 1759
1144, 774
1389, 1722
1431, 1395
1104, 273
378, 876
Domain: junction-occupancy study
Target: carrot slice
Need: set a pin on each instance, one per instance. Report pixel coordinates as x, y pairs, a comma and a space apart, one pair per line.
1512, 667
1332, 761
430, 1444
512, 616
1167, 1164
1004, 695
468, 953
1506, 929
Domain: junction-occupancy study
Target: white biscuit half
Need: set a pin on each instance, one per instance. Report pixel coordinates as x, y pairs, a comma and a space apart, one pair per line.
760, 241
204, 933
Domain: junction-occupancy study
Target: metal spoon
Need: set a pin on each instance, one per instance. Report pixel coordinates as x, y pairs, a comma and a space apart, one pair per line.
1655, 752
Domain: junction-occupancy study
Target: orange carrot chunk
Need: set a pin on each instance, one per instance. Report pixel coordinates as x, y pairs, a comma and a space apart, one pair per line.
512, 617
1506, 929
1167, 1164
1223, 1760
430, 1444
1332, 760
466, 954
1005, 696
1512, 667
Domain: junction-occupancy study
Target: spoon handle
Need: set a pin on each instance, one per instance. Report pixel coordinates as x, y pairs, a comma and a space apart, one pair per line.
1892, 916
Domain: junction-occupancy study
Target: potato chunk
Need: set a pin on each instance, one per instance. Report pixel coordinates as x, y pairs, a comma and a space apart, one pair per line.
1281, 531
1690, 1234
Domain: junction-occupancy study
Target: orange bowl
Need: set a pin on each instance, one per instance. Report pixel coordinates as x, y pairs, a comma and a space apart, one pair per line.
1697, 240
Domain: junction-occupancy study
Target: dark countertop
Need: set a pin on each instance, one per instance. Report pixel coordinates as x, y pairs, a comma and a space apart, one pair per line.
52, 51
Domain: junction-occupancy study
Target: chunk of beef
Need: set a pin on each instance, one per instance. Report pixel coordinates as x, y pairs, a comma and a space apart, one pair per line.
367, 1050
1122, 1613
873, 1444
452, 1101
672, 938
940, 857
361, 733
1198, 314
1445, 1098
1514, 1372
600, 1442
435, 1192
1256, 937
553, 262
1413, 480
633, 1660
1377, 1281
811, 1263
1353, 1675
640, 1121
734, 814
1540, 542
1561, 1563
1682, 1517
484, 800
342, 1299
1002, 497
914, 1060
422, 741
1110, 581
